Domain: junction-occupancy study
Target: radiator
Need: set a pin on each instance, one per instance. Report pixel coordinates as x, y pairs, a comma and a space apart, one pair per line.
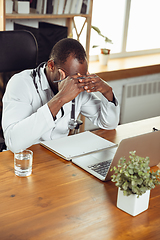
140, 101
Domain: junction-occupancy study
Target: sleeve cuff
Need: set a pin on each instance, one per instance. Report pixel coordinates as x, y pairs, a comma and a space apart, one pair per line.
114, 100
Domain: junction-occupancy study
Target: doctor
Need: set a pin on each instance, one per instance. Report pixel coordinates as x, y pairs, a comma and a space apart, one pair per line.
38, 104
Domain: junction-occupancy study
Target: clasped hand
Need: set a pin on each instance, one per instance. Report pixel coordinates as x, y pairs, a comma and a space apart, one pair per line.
73, 85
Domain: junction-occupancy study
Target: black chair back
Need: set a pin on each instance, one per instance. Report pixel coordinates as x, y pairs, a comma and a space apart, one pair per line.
18, 51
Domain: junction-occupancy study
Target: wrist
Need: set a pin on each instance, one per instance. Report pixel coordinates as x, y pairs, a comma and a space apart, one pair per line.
108, 94
55, 104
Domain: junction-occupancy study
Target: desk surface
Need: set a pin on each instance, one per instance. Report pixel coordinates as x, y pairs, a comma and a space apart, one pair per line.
61, 201
125, 63
127, 67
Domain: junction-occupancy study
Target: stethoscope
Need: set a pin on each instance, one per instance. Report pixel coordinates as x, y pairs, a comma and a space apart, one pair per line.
73, 123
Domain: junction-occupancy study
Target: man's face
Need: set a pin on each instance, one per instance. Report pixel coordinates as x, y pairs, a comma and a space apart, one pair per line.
72, 67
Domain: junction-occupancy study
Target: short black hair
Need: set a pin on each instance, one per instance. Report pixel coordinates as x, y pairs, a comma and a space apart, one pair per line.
66, 47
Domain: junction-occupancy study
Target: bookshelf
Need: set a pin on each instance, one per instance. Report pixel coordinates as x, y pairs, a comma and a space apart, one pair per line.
69, 19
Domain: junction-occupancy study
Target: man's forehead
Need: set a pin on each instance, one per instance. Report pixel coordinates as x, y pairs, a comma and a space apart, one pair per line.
74, 66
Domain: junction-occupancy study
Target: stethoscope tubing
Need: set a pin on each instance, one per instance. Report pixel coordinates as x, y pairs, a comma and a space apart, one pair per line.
72, 121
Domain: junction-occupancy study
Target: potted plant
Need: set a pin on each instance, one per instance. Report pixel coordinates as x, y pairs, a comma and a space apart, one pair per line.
104, 52
134, 181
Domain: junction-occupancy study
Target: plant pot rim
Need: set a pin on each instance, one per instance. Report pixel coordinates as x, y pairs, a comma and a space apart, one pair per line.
105, 51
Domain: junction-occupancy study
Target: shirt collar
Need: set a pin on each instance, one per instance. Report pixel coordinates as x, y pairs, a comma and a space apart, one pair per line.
43, 81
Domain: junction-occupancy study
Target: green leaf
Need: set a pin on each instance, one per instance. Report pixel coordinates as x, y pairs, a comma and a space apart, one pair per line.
106, 39
131, 171
94, 46
125, 186
96, 29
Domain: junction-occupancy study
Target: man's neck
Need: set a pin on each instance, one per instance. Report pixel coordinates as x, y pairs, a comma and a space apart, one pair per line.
53, 86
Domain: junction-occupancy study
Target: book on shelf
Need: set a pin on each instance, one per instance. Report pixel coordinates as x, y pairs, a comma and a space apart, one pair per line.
65, 2
39, 6
67, 6
60, 6
85, 7
55, 6
49, 9
88, 7
44, 6
33, 4
78, 7
73, 7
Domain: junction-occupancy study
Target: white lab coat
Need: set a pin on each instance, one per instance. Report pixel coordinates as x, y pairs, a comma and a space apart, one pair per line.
27, 120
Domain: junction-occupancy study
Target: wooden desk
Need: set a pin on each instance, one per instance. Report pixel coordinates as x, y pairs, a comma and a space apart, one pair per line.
61, 201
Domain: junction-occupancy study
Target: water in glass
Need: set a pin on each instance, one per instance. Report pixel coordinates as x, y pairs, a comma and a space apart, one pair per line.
23, 164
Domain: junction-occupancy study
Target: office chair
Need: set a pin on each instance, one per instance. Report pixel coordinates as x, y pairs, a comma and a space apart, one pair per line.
18, 51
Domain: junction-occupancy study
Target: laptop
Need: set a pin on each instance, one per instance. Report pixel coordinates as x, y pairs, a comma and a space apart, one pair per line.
76, 145
99, 164
97, 155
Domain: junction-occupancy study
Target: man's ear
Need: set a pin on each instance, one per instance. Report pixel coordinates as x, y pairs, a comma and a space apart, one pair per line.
51, 65
62, 74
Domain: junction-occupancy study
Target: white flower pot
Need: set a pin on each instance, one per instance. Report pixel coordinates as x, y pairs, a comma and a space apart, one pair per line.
131, 204
103, 59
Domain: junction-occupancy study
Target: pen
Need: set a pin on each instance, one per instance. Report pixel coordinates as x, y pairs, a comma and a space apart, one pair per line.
77, 78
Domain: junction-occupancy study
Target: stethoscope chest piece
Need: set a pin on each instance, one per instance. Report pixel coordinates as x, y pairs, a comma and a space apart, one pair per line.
72, 124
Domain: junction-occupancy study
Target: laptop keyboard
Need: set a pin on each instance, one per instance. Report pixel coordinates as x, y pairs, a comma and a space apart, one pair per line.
101, 168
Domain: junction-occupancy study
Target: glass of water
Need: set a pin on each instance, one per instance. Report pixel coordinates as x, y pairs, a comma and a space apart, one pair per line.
23, 163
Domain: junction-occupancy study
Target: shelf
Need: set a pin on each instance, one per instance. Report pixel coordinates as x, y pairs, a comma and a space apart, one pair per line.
69, 20
43, 16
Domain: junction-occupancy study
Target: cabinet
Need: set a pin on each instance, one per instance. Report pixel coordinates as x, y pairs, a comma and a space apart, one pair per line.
69, 19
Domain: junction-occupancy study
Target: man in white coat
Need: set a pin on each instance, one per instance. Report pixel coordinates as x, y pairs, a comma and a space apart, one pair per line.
38, 104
